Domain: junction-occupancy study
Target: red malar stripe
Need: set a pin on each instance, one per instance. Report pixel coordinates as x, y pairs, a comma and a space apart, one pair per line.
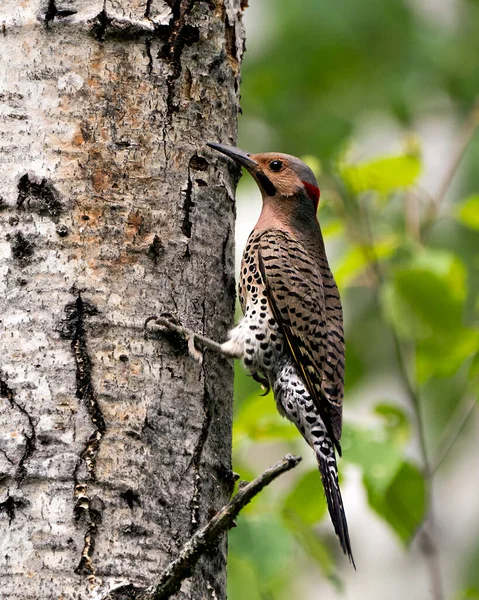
313, 192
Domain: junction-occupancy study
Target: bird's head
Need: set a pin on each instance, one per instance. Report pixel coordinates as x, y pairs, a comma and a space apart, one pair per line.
280, 177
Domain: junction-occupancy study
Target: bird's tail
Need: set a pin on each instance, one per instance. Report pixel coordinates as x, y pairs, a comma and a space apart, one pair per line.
329, 476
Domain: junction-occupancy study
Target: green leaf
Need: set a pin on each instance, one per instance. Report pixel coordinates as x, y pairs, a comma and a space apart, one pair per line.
242, 578
396, 423
469, 594
383, 175
306, 499
259, 420
433, 299
313, 546
425, 302
332, 228
442, 356
267, 544
355, 261
467, 212
313, 163
403, 503
474, 372
372, 450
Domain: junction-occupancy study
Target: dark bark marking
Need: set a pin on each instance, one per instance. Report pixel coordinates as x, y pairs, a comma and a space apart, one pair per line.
147, 9
10, 505
126, 591
73, 328
52, 12
228, 278
156, 249
22, 248
135, 530
41, 197
180, 34
230, 41
99, 25
31, 439
188, 205
62, 230
131, 498
198, 163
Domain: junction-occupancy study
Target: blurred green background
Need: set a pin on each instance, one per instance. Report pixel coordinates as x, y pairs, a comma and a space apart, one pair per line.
380, 98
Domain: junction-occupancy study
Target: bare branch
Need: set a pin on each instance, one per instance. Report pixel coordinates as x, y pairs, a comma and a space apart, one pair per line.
468, 133
457, 424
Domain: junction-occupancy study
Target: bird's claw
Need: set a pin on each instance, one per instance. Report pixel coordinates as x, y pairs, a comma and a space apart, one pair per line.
193, 350
149, 320
162, 320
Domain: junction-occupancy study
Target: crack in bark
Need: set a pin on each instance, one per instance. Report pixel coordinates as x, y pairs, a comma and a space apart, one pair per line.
149, 67
188, 205
73, 328
195, 461
30, 444
7, 458
228, 278
179, 35
230, 43
147, 9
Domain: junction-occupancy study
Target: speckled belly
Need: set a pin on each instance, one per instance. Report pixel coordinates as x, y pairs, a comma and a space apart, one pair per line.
258, 338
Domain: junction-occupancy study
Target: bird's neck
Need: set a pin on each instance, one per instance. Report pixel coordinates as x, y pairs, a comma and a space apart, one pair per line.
295, 216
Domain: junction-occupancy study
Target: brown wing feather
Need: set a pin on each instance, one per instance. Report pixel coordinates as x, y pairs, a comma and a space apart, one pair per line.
296, 291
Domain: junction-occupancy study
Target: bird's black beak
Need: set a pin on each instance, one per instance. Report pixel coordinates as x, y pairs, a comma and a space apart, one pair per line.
244, 158
240, 156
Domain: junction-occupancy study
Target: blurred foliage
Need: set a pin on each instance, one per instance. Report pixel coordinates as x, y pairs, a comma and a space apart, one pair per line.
406, 262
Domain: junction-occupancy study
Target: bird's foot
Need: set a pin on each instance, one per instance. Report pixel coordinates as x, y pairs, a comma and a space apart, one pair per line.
169, 322
263, 382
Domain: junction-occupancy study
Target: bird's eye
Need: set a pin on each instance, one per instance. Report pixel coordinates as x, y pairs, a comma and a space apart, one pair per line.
276, 165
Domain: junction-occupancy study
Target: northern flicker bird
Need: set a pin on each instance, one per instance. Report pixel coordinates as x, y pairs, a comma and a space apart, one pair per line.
291, 334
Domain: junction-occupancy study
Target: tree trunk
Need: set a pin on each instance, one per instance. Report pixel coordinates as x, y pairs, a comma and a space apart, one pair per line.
114, 444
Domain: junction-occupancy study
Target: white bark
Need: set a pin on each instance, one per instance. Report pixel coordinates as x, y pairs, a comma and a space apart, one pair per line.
114, 445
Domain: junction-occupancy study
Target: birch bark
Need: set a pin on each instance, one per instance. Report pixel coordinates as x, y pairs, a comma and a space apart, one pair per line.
114, 445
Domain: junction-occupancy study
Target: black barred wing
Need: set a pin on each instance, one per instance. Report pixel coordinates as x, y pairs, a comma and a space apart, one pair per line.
297, 288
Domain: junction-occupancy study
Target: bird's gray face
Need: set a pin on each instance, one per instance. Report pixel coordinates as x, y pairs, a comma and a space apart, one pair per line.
278, 175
